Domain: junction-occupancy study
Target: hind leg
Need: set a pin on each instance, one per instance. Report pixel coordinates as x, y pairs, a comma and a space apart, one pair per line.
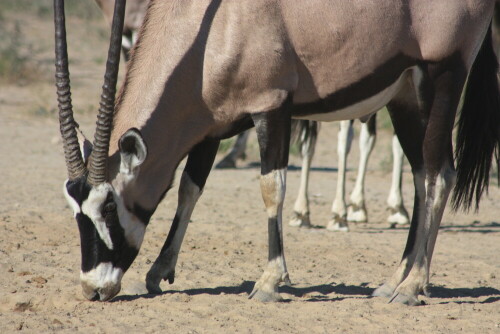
301, 206
339, 207
357, 208
237, 152
398, 213
193, 179
425, 136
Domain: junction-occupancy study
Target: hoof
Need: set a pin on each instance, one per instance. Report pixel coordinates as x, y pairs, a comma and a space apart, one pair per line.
383, 291
265, 296
153, 287
300, 220
153, 281
357, 213
337, 226
226, 163
398, 217
409, 300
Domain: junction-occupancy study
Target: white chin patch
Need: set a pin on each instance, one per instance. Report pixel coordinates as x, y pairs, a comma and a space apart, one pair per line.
71, 201
102, 275
91, 207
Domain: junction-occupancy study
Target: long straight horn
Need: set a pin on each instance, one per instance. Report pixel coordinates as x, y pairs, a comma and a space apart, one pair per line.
72, 154
99, 155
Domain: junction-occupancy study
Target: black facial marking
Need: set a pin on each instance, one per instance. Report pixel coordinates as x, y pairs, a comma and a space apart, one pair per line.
78, 189
93, 250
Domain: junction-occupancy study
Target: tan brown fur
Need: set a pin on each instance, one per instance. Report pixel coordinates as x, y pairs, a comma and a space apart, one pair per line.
190, 78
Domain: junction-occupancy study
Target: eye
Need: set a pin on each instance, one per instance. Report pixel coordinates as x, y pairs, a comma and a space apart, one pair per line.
109, 214
109, 207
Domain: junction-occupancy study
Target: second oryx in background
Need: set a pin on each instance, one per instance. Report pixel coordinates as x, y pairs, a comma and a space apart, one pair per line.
356, 210
134, 15
306, 133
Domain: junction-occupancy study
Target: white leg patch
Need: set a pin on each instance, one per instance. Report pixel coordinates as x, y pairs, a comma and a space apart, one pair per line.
91, 207
273, 187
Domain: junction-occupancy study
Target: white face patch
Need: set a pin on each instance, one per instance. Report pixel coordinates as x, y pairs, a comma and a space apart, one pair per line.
71, 201
91, 207
102, 275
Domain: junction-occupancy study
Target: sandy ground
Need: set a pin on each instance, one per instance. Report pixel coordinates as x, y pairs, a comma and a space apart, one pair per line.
225, 250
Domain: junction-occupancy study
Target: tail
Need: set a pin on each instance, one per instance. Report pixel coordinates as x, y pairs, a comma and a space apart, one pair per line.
478, 136
304, 133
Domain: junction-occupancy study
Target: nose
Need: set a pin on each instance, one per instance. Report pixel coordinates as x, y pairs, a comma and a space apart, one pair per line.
103, 294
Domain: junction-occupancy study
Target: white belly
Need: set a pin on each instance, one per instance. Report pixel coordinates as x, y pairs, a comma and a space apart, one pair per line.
362, 108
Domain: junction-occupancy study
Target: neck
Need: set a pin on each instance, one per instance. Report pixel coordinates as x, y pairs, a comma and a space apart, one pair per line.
162, 98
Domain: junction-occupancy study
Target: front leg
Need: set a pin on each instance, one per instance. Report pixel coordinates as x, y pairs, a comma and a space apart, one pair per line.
273, 133
193, 180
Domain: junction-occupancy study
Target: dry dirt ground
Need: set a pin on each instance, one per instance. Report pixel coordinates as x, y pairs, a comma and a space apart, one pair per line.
225, 250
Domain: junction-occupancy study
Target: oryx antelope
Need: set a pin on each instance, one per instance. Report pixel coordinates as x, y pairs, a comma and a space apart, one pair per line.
203, 70
356, 210
134, 15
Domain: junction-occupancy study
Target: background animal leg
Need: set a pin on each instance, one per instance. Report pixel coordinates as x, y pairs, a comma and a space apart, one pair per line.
237, 152
398, 213
356, 211
194, 176
339, 207
273, 134
308, 138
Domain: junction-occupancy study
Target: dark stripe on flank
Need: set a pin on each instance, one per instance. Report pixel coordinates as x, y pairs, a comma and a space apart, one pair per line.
381, 78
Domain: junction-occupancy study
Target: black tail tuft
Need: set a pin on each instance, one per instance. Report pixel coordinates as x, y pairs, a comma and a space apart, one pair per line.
478, 134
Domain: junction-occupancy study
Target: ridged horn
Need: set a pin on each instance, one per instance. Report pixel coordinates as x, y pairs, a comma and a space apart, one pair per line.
72, 154
99, 155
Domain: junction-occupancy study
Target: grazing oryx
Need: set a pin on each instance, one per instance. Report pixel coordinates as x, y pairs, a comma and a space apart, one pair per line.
134, 15
203, 70
356, 210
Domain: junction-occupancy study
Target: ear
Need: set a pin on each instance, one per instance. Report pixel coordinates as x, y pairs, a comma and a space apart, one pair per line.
133, 151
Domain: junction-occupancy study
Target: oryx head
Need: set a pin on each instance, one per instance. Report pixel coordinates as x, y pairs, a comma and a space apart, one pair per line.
110, 234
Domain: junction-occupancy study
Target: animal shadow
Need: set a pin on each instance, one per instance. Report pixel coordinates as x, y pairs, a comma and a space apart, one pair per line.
311, 293
440, 292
